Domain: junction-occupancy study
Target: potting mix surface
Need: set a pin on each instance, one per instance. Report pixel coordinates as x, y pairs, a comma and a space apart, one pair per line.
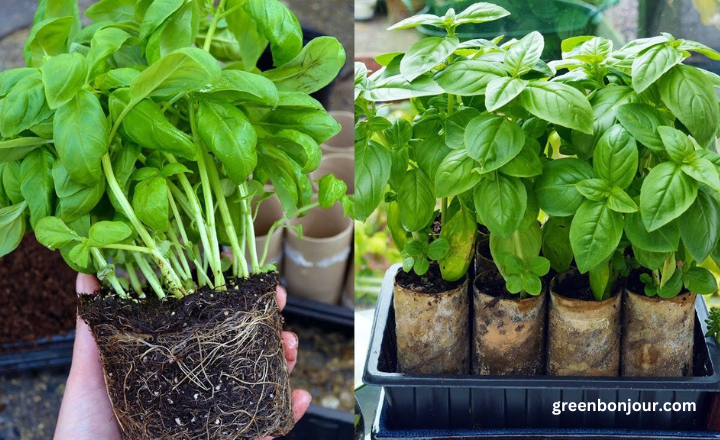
37, 293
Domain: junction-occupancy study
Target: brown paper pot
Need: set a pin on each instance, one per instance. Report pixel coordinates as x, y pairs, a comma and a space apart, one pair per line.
341, 165
343, 142
583, 336
432, 330
315, 265
270, 211
509, 333
483, 258
657, 336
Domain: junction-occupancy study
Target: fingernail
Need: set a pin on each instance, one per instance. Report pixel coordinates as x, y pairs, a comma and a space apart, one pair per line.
295, 341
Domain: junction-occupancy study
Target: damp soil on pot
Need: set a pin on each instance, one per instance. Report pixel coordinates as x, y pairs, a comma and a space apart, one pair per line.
430, 283
325, 364
575, 286
492, 283
37, 294
210, 365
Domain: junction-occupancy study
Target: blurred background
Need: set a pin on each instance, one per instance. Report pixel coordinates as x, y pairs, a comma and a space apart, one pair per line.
37, 299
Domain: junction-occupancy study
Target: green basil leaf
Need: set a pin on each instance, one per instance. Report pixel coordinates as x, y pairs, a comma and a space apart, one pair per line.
400, 161
12, 227
694, 46
422, 266
179, 31
525, 164
481, 12
501, 203
104, 43
460, 232
229, 135
299, 144
37, 183
372, 171
555, 188
53, 233
595, 233
12, 179
702, 170
75, 200
438, 249
469, 77
244, 87
416, 200
664, 239
493, 141
455, 174
284, 174
700, 226
399, 134
48, 38
116, 11
691, 97
556, 243
677, 144
182, 71
395, 88
59, 89
80, 255
104, 233
599, 280
616, 157
430, 153
315, 123
523, 55
666, 193
244, 29
147, 126
278, 25
672, 287
418, 20
158, 12
424, 55
15, 149
397, 232
560, 104
174, 169
116, 79
650, 65
10, 78
81, 133
500, 91
620, 201
455, 126
649, 260
24, 106
150, 203
330, 190
597, 190
642, 121
700, 280
313, 68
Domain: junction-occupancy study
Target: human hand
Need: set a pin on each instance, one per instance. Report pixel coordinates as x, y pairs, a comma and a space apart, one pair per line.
86, 412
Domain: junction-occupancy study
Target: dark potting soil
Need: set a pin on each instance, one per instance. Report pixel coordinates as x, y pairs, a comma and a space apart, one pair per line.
37, 294
492, 283
210, 365
575, 286
430, 283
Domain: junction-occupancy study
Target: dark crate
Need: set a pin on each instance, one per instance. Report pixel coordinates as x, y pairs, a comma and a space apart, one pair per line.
323, 423
43, 353
439, 402
381, 430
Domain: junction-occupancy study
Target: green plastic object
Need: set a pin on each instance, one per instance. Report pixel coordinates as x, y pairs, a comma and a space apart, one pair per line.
555, 19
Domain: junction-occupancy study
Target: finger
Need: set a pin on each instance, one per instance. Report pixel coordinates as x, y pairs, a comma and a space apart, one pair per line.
290, 342
87, 284
301, 403
281, 297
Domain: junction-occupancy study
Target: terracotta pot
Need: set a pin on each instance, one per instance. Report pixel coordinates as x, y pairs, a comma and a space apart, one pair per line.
314, 266
343, 142
270, 211
341, 165
509, 334
658, 335
583, 336
432, 330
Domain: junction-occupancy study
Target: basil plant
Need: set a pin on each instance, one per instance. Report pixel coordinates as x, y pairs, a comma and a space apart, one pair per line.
145, 140
642, 191
487, 113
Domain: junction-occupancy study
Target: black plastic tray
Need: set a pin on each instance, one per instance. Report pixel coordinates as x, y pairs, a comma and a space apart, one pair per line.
381, 430
43, 353
423, 401
322, 423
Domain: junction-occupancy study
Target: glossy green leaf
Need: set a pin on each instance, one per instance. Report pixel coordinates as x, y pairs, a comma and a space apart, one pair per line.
455, 126
372, 171
112, 10
620, 201
556, 243
616, 157
469, 77
156, 14
642, 121
313, 68
424, 55
48, 38
12, 179
330, 190
418, 20
37, 183
700, 226
74, 200
301, 144
560, 104
12, 227
150, 203
316, 123
672, 286
500, 91
460, 232
244, 87
24, 106
9, 78
700, 280
597, 190
664, 239
178, 31
53, 233
595, 233
523, 55
15, 149
242, 26
481, 12
677, 144
702, 170
650, 65
59, 89
555, 188
416, 200
527, 163
456, 163
278, 25
81, 133
229, 135
666, 193
438, 249
430, 154
701, 114
104, 233
501, 204
493, 141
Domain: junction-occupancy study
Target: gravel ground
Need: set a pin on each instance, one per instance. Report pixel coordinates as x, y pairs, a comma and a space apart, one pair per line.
29, 403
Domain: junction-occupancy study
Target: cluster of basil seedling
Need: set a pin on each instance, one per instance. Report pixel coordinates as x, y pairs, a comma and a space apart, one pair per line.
147, 140
604, 160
